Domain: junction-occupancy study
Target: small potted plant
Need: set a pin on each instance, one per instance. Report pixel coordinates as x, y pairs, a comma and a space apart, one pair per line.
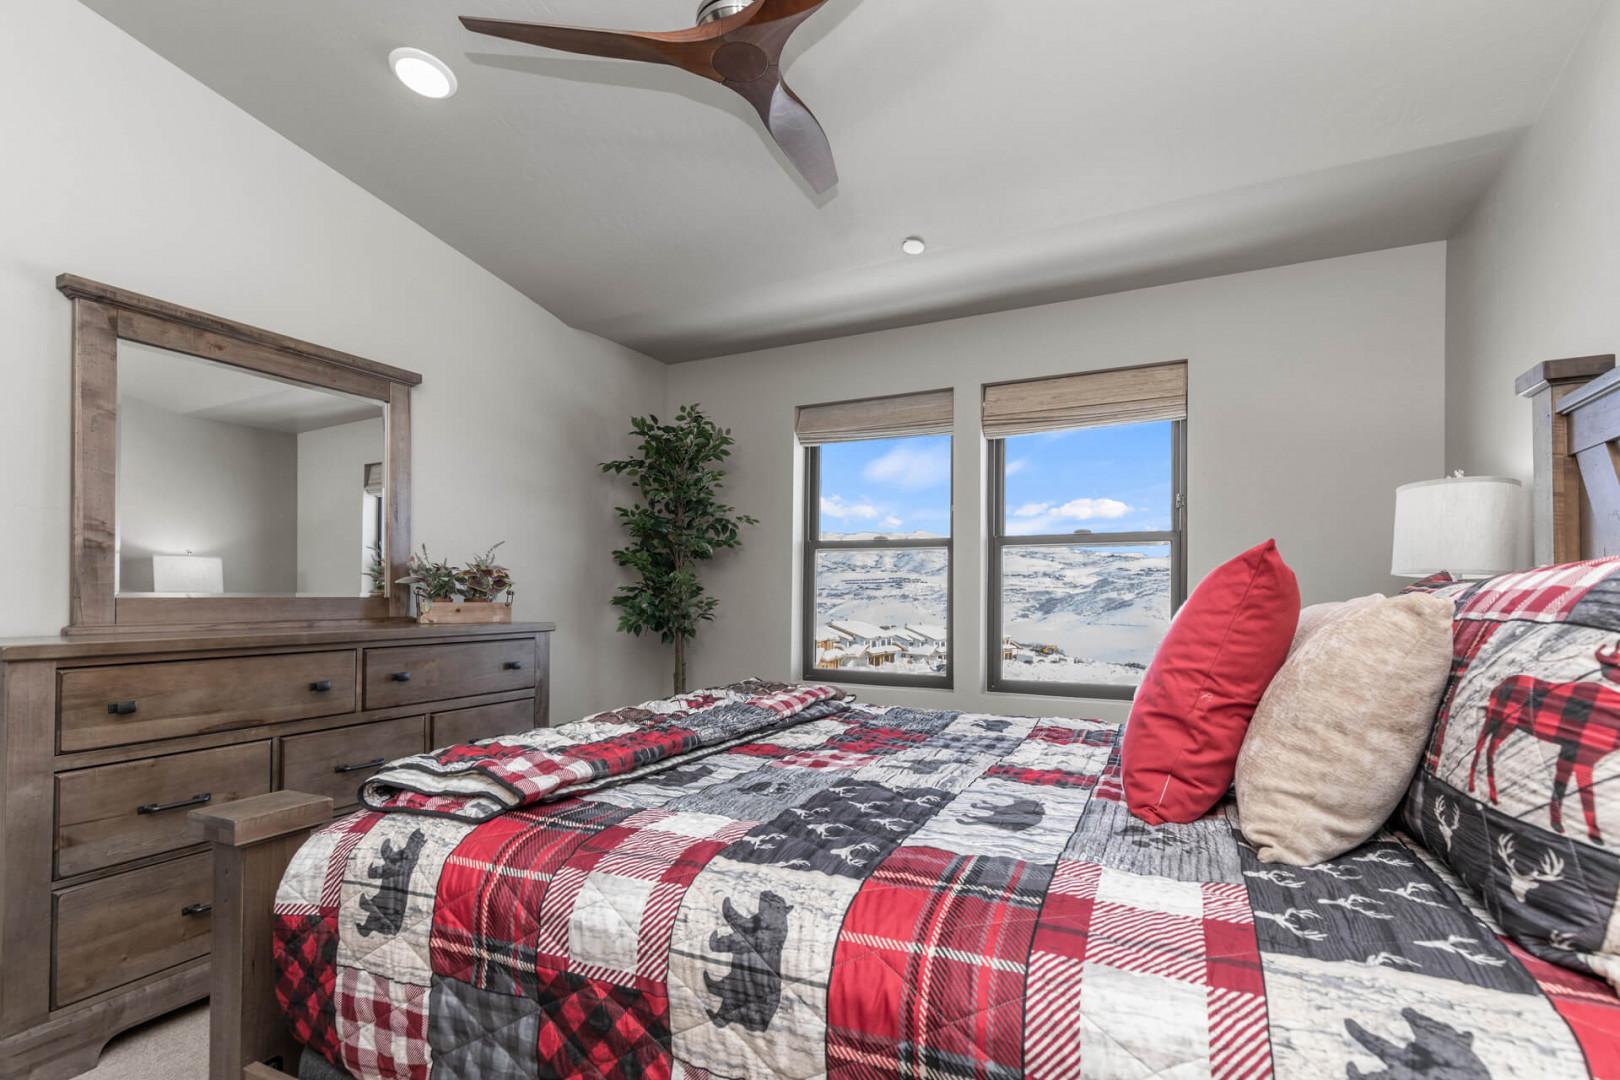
485, 581
454, 594
432, 582
377, 571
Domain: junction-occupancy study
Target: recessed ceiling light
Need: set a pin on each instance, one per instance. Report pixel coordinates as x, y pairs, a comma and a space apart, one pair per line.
914, 245
423, 72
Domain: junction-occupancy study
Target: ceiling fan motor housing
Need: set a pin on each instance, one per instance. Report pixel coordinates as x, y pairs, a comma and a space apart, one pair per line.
714, 10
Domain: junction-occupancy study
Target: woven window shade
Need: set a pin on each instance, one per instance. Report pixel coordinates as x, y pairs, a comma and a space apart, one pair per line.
1094, 399
896, 417
374, 479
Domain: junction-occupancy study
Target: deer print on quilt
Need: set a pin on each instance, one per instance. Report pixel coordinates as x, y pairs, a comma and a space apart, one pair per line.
1519, 791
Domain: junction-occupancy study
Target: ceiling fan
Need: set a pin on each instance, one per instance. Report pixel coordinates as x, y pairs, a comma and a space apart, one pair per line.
736, 43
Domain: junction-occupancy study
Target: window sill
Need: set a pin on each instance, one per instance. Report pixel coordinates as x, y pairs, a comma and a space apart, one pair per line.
1079, 691
902, 682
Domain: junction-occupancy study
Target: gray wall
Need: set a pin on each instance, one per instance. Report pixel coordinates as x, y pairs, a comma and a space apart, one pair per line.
186, 484
121, 167
1534, 273
1314, 390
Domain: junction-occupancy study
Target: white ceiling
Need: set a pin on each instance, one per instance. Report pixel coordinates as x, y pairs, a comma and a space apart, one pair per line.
1046, 149
209, 390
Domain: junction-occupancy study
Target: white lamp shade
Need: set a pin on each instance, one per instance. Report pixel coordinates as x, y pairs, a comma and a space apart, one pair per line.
188, 574
1471, 526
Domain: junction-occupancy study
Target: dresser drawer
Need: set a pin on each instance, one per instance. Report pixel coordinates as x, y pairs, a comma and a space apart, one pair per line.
121, 928
110, 706
409, 674
114, 813
336, 763
484, 722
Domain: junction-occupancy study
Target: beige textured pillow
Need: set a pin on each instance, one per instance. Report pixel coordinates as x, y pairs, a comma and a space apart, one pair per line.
1316, 616
1340, 730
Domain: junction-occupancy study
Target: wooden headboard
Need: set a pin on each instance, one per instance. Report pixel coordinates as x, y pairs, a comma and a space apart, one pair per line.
1576, 498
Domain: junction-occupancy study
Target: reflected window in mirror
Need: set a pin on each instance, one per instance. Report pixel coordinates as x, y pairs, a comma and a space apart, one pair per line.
373, 567
232, 482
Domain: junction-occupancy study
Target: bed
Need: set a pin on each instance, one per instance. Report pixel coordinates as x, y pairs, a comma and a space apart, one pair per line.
769, 880
776, 880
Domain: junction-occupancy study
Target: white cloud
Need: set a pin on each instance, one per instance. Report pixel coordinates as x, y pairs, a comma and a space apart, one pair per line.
834, 506
911, 468
892, 522
1016, 466
1034, 519
1087, 509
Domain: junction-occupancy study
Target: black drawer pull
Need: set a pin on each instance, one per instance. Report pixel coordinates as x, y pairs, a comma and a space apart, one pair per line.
158, 808
196, 909
374, 763
121, 708
401, 676
513, 665
321, 687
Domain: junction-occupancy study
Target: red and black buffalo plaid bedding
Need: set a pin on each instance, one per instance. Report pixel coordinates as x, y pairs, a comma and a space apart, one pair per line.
771, 881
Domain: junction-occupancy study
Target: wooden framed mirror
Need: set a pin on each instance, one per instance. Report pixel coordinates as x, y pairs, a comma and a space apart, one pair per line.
225, 475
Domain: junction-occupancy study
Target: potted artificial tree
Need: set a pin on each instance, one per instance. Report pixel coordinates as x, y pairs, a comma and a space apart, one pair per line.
678, 524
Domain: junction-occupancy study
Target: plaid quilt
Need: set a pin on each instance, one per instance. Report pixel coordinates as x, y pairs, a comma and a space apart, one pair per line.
1516, 792
774, 881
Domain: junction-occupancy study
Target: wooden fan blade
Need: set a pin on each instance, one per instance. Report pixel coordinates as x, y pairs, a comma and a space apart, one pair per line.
649, 47
796, 130
742, 51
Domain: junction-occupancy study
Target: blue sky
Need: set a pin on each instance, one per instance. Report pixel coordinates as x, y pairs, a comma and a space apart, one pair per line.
1112, 479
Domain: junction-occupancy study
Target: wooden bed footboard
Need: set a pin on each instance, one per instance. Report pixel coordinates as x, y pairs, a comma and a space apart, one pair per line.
253, 840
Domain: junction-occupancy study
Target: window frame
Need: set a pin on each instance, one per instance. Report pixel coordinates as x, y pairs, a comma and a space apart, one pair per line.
1176, 536
814, 544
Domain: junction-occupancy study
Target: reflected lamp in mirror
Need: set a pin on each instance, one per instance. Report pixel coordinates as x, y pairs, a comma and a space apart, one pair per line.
1468, 526
250, 468
193, 574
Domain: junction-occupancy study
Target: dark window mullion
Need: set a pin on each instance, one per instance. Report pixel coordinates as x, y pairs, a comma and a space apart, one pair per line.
1087, 539
873, 545
887, 545
998, 526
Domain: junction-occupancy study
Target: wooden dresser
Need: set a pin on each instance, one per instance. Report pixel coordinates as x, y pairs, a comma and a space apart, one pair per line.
107, 741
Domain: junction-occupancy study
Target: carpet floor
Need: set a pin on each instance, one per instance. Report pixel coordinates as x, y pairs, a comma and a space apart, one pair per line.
172, 1047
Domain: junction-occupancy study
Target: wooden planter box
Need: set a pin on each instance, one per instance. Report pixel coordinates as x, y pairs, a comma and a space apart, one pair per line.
482, 611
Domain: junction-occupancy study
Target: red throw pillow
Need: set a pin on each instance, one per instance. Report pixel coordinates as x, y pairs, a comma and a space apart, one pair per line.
1189, 717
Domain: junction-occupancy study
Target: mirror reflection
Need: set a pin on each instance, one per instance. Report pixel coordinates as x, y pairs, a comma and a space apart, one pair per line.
235, 483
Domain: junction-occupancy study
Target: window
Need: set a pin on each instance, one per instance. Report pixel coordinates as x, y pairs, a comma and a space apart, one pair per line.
1087, 503
373, 568
877, 545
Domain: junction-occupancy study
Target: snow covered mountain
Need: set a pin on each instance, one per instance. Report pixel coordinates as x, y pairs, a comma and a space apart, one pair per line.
885, 588
1092, 604
1103, 611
